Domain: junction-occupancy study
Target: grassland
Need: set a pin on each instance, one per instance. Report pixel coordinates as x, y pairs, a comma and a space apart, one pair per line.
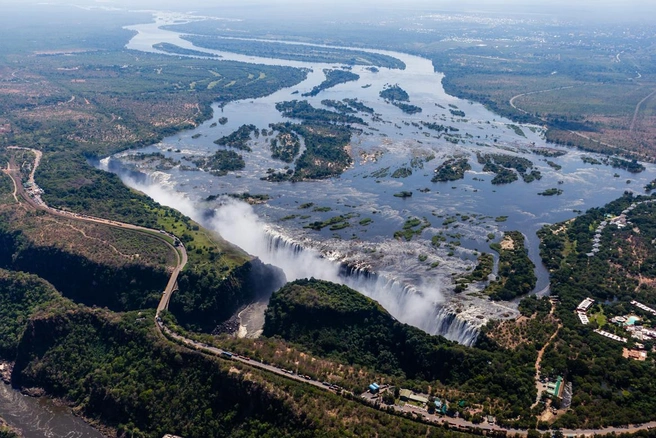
295, 52
585, 97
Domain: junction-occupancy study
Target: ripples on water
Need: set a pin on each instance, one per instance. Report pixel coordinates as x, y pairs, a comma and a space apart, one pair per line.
40, 417
393, 142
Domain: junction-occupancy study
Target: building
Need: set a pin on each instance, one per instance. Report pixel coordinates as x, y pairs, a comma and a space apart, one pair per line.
611, 336
374, 388
407, 395
584, 318
556, 388
634, 354
585, 305
643, 307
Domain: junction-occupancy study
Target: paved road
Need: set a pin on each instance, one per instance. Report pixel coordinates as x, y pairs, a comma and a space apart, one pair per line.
181, 253
215, 351
37, 203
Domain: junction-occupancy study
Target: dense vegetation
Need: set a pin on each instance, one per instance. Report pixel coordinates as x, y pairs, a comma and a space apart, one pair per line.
90, 275
504, 167
608, 389
451, 170
133, 381
221, 162
325, 134
516, 271
358, 106
172, 48
333, 77
304, 111
20, 296
286, 145
398, 97
337, 322
239, 138
394, 93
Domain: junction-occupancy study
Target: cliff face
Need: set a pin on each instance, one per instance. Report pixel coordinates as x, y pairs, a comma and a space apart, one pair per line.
20, 296
336, 321
207, 298
115, 370
126, 287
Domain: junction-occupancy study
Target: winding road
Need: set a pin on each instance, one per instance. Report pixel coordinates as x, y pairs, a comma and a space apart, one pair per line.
35, 202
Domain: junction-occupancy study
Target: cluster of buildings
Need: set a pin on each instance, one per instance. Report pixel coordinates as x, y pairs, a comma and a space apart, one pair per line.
620, 222
408, 396
34, 191
596, 245
628, 323
582, 310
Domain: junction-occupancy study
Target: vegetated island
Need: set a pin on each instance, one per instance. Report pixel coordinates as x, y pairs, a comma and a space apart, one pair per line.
452, 169
325, 135
221, 162
239, 138
295, 52
398, 97
172, 48
333, 77
516, 274
551, 192
505, 167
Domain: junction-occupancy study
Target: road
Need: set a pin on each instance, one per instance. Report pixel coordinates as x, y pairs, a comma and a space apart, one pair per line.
619, 148
37, 203
538, 361
637, 110
512, 99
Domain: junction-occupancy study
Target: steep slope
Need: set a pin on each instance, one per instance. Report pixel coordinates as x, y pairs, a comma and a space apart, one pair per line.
335, 321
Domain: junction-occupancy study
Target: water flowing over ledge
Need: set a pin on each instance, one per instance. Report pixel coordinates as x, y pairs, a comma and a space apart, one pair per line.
403, 301
425, 308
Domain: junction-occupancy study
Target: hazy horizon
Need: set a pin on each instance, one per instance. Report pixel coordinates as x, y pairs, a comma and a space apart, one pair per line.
606, 10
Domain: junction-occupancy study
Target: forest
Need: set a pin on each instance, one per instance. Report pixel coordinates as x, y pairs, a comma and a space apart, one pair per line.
238, 139
451, 170
136, 383
516, 274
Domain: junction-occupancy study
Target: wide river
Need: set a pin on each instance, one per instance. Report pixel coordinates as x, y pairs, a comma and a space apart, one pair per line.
413, 278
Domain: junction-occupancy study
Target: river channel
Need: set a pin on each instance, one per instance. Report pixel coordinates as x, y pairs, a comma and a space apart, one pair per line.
41, 417
414, 279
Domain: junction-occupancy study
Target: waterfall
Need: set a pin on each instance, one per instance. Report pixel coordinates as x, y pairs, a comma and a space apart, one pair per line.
422, 306
404, 302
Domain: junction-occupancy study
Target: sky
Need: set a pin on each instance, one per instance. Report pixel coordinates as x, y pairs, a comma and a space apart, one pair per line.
610, 10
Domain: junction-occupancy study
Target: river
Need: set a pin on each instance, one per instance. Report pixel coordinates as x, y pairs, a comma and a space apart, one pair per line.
41, 417
414, 279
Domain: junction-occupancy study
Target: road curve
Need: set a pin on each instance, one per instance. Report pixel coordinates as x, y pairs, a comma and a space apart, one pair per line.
38, 204
181, 253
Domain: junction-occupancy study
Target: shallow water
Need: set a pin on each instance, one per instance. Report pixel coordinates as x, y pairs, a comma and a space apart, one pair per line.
389, 141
